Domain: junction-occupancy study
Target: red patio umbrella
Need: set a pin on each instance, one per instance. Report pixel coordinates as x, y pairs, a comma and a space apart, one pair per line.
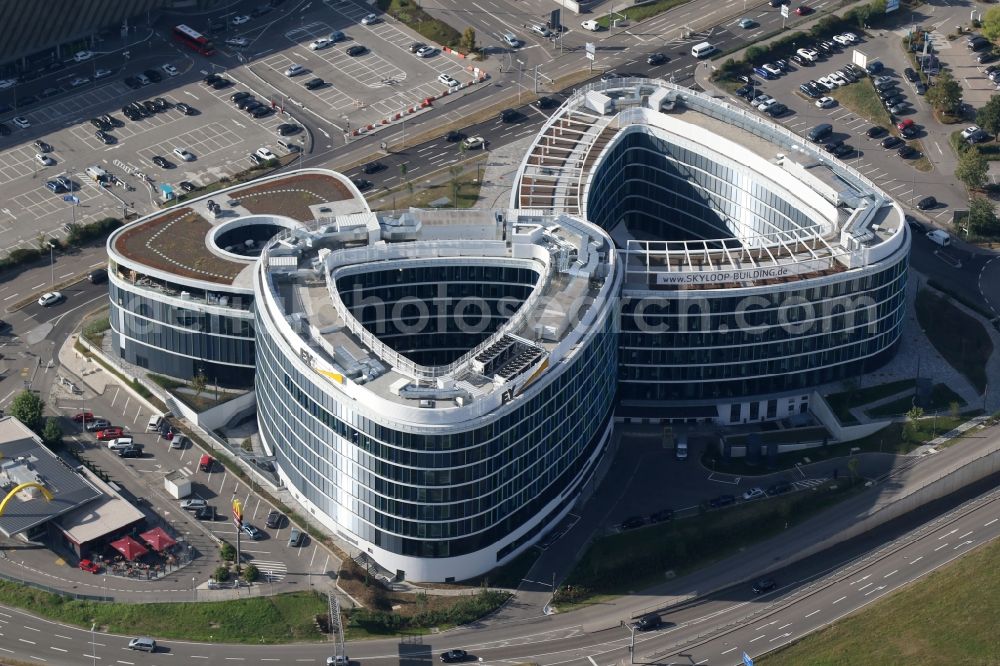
157, 539
129, 547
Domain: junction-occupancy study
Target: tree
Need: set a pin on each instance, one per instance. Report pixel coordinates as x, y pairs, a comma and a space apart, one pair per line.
468, 42
251, 573
982, 219
221, 574
988, 117
52, 433
946, 94
456, 183
198, 383
991, 23
972, 169
27, 408
227, 551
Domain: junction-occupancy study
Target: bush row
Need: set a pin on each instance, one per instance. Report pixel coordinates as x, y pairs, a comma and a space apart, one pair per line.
467, 609
78, 234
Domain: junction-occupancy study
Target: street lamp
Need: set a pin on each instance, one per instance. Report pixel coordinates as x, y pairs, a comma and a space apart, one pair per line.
52, 261
631, 645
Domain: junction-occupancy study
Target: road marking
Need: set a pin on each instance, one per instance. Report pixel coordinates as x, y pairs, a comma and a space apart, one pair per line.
940, 547
757, 639
874, 590
728, 651
778, 638
917, 560
890, 573
991, 522
784, 625
25, 640
839, 600
10, 297
964, 543
43, 284
861, 579
32, 629
813, 613
591, 660
944, 536
864, 586
57, 649
966, 534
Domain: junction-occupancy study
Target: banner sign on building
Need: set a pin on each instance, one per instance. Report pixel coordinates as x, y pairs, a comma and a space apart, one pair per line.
720, 277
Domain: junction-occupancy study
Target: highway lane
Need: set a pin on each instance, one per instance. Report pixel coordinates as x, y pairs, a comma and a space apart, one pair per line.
712, 630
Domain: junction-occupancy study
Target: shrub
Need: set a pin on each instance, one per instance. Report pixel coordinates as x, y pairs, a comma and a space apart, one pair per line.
227, 551
221, 574
251, 573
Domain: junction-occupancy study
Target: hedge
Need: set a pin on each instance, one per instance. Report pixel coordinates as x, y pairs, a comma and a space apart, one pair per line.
78, 234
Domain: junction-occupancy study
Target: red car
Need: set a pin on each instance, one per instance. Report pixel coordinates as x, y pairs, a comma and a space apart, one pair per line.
109, 434
92, 567
79, 417
803, 10
903, 124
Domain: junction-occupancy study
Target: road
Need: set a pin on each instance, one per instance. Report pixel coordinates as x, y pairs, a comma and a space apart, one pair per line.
715, 629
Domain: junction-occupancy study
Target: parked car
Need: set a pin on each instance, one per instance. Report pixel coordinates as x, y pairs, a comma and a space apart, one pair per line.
206, 513
97, 424
313, 84
130, 452
356, 50
891, 142
320, 43
907, 152
118, 443
194, 503
826, 102
722, 500
752, 494
108, 434
274, 519
370, 19
633, 522
779, 488
362, 183
661, 516
90, 565
876, 131
747, 23
927, 203
252, 531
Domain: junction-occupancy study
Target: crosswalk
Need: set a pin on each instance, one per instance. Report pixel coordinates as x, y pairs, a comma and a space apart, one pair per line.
270, 571
802, 484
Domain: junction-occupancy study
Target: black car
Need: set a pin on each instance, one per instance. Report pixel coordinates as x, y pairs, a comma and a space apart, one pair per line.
260, 11
633, 522
356, 50
894, 100
162, 162
99, 124
245, 102
205, 513
285, 129
832, 146
416, 46
153, 75
779, 488
546, 102
313, 84
907, 152
185, 109
262, 111
453, 137
43, 147
988, 56
130, 452
777, 110
161, 104
274, 518
373, 167
810, 91
843, 150
221, 83
361, 183
188, 186
237, 96
914, 224
927, 203
105, 138
111, 120
454, 656
744, 91
764, 585
98, 276
211, 79
510, 116
661, 516
722, 500
876, 131
891, 142
921, 88
150, 106
909, 131
27, 100
649, 622
133, 83
656, 59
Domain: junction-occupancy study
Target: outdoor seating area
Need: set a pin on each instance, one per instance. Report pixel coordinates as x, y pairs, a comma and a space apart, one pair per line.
149, 555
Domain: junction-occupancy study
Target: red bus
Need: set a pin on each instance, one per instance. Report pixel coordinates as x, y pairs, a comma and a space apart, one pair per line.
193, 40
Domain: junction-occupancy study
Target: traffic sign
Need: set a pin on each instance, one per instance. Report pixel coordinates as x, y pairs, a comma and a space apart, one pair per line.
591, 50
784, 11
747, 661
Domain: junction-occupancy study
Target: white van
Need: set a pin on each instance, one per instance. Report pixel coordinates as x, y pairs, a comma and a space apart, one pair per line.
96, 173
702, 50
154, 423
591, 25
290, 146
940, 237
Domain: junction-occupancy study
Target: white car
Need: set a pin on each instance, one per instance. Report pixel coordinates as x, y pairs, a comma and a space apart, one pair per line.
120, 443
808, 54
190, 504
21, 122
850, 37
773, 70
474, 142
80, 56
766, 104
370, 19
50, 298
842, 40
826, 82
183, 154
102, 73
447, 80
265, 154
7, 83
44, 160
969, 131
320, 43
591, 25
826, 102
241, 19
79, 81
170, 69
838, 79
752, 494
294, 70
238, 42
426, 51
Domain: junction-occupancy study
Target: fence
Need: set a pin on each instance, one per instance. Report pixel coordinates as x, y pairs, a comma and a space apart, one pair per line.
52, 590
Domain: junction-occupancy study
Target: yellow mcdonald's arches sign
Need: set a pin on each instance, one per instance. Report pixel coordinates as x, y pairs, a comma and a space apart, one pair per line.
238, 510
30, 484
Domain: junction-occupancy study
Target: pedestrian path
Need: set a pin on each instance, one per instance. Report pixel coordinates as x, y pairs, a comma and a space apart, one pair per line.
957, 431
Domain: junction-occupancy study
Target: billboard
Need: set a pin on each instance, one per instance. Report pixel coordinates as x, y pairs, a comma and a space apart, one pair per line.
891, 5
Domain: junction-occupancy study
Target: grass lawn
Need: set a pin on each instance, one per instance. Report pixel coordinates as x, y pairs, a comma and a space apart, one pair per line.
428, 189
942, 398
410, 13
958, 337
280, 619
841, 403
949, 617
634, 560
861, 98
642, 12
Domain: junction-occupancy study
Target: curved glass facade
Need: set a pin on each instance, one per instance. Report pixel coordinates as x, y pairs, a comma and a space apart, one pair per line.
436, 492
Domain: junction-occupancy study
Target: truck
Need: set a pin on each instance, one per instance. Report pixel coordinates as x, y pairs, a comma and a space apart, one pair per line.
177, 483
